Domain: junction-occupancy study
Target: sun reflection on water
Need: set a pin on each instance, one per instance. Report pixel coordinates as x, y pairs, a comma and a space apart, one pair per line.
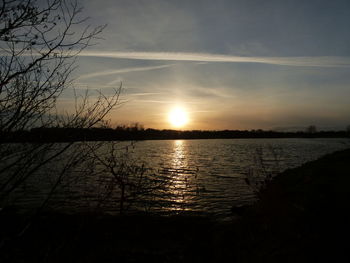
179, 155
181, 177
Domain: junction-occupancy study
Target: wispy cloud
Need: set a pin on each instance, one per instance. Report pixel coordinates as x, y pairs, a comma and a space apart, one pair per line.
320, 61
155, 101
170, 102
305, 61
145, 94
123, 70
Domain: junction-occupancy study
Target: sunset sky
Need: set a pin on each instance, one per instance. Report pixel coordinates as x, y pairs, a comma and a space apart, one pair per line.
227, 64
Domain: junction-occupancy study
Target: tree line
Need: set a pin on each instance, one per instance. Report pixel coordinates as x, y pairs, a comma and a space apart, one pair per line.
132, 133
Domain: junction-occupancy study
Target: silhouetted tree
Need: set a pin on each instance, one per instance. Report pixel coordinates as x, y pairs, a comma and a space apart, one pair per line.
39, 42
126, 180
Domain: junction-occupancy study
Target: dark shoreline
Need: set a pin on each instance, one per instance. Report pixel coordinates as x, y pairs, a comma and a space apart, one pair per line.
301, 216
135, 134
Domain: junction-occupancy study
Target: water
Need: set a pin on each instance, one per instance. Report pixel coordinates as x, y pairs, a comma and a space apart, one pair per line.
221, 166
172, 176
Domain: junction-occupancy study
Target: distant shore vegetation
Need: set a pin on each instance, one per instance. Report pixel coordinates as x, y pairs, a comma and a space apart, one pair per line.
138, 132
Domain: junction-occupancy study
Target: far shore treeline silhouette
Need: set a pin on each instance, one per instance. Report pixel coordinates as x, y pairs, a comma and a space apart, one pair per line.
123, 133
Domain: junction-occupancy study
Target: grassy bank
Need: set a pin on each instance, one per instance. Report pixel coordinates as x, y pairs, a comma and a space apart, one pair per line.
300, 217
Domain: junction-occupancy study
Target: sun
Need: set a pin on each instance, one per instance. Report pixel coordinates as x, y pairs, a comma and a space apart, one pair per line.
178, 117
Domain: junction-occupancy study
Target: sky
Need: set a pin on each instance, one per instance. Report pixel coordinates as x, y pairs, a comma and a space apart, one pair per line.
228, 64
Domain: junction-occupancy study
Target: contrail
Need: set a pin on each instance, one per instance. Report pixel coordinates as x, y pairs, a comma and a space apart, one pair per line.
319, 61
305, 61
123, 70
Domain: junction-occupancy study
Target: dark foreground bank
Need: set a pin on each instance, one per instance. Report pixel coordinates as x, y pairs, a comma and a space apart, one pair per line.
301, 217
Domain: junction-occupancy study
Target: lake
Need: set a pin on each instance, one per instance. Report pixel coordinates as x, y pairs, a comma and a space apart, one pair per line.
202, 176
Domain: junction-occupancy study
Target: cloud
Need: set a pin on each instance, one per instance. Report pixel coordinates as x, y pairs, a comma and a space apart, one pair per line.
320, 61
123, 70
155, 101
305, 61
145, 94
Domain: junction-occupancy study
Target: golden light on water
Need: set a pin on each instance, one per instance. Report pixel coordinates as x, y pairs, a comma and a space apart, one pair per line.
179, 176
179, 155
178, 117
